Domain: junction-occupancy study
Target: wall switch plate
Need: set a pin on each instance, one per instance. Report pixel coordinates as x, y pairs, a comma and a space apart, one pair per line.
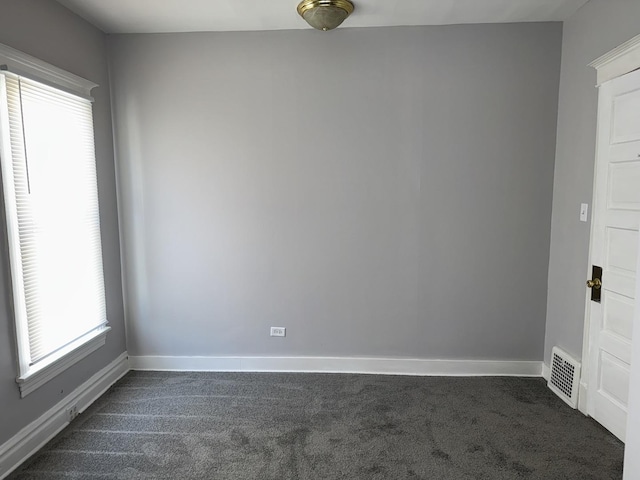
584, 212
278, 332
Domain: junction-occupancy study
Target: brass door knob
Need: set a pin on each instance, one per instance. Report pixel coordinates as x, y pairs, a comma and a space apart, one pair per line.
595, 283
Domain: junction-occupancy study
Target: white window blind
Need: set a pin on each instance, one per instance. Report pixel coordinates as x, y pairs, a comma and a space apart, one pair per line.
50, 189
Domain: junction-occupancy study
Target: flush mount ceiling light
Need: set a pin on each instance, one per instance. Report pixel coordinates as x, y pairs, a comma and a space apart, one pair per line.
325, 14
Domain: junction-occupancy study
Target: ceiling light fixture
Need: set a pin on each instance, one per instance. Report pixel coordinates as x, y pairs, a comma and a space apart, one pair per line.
325, 14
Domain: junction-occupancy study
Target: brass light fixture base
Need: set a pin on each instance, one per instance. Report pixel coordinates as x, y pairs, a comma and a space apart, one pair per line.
325, 14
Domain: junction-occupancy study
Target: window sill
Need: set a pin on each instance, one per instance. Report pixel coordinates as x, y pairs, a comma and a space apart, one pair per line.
39, 374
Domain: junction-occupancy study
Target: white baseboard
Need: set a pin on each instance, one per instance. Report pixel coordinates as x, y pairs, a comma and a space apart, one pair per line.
546, 371
374, 365
31, 438
582, 398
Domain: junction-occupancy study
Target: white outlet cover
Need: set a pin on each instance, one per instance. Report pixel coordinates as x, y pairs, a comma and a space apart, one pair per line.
584, 212
278, 332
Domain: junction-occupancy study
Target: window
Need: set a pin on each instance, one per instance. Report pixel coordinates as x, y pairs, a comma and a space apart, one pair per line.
53, 225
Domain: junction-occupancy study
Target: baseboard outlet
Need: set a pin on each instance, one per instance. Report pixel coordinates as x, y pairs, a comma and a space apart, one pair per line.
33, 437
546, 372
373, 365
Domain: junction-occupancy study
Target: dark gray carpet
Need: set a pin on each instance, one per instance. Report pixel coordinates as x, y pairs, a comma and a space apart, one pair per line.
304, 426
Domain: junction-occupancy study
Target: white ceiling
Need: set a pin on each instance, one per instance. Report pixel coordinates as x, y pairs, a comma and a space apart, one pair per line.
154, 16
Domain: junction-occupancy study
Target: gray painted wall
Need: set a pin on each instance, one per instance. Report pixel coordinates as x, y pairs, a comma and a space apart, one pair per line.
597, 28
48, 31
379, 192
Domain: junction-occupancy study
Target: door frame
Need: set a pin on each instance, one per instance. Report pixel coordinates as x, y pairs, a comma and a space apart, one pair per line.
616, 63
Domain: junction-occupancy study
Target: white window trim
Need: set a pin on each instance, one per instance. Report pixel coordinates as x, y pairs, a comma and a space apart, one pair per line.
22, 64
61, 360
31, 377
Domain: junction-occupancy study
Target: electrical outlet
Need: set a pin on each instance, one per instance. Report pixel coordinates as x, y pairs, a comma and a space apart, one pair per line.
278, 332
72, 412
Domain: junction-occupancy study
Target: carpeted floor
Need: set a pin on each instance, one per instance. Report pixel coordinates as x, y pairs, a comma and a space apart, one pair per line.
227, 426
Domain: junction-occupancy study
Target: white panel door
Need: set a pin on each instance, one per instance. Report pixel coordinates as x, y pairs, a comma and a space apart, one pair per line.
614, 247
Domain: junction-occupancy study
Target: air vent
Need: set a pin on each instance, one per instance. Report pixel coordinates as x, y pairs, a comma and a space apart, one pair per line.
565, 377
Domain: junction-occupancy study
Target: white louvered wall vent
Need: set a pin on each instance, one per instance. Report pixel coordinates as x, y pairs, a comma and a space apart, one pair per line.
565, 377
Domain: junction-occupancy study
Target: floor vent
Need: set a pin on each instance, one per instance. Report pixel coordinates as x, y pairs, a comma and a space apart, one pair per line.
565, 377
